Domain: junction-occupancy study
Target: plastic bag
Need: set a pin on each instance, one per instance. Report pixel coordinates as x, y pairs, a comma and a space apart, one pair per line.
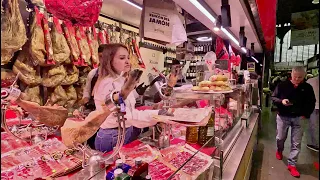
79, 12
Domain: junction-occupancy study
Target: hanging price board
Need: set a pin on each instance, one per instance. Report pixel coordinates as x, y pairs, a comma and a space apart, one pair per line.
251, 67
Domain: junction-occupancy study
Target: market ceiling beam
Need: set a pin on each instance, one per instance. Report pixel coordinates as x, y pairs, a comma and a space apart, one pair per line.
238, 16
252, 12
198, 32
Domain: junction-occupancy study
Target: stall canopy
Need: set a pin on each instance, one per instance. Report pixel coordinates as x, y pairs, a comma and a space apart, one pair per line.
267, 13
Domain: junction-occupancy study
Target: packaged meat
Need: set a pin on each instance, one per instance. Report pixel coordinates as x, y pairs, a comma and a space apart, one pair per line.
159, 171
145, 152
61, 50
69, 162
5, 146
13, 31
192, 166
48, 43
45, 169
196, 165
171, 152
37, 44
53, 76
69, 33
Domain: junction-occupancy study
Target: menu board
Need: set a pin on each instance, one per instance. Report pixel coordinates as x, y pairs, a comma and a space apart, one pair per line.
222, 64
251, 67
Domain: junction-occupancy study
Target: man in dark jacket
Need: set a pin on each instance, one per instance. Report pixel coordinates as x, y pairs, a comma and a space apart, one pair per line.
295, 101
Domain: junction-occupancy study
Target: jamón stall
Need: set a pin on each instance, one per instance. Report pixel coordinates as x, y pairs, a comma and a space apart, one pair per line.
48, 49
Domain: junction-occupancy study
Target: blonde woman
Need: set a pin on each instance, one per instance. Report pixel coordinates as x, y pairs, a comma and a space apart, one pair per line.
115, 59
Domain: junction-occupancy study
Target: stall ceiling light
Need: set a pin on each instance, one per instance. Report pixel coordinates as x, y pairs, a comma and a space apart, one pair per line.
229, 35
216, 29
133, 4
315, 2
244, 49
204, 39
203, 10
255, 59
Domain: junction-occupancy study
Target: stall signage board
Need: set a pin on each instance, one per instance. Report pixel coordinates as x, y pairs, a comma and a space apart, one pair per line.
158, 20
305, 28
251, 67
222, 64
287, 65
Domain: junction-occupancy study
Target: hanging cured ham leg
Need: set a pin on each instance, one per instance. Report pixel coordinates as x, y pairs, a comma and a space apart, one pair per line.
13, 32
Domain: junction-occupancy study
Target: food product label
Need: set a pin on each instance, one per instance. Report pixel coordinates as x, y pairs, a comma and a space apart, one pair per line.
210, 131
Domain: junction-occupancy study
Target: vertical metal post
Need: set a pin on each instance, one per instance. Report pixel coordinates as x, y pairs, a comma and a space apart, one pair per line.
280, 53
221, 164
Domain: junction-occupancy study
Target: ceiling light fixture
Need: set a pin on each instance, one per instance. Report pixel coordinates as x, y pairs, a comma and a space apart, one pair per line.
229, 35
217, 24
315, 2
244, 49
255, 59
203, 10
212, 19
204, 39
133, 4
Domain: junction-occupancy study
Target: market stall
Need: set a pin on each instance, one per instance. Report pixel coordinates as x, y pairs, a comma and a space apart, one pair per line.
206, 128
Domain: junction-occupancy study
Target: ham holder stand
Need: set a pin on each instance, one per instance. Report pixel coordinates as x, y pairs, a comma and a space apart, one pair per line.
34, 132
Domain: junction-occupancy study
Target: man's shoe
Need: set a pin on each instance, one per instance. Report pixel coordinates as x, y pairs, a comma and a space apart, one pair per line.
279, 155
293, 171
313, 148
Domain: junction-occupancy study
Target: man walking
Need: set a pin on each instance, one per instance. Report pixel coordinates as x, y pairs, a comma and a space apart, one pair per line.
295, 101
313, 140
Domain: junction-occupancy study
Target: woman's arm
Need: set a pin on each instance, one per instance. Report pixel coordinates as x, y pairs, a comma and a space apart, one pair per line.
87, 89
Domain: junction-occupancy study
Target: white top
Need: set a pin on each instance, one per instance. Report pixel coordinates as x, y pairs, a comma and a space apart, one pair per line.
139, 119
314, 82
87, 88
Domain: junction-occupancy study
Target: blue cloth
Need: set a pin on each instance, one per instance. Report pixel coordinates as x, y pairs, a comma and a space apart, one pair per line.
106, 139
296, 124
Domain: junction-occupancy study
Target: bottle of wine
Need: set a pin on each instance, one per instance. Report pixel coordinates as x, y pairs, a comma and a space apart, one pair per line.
202, 136
210, 130
192, 135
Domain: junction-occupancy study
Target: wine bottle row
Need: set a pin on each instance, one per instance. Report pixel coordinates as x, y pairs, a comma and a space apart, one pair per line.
202, 49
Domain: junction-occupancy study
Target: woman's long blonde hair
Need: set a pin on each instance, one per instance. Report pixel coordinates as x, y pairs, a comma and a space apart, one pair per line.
108, 53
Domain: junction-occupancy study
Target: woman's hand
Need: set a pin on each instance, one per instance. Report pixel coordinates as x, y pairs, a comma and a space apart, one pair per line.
130, 84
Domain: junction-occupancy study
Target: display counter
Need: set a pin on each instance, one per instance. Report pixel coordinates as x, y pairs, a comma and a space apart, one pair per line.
191, 150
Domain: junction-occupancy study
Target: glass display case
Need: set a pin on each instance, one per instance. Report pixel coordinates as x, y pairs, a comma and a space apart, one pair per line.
196, 144
229, 109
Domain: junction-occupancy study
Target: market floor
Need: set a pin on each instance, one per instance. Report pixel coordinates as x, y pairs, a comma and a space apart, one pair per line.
265, 166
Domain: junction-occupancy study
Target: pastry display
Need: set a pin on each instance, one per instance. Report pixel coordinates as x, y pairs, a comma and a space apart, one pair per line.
216, 83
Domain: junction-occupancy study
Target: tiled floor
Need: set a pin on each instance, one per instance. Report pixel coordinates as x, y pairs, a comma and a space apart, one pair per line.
267, 167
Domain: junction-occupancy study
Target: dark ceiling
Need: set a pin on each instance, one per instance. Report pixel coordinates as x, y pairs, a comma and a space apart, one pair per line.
286, 7
195, 28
